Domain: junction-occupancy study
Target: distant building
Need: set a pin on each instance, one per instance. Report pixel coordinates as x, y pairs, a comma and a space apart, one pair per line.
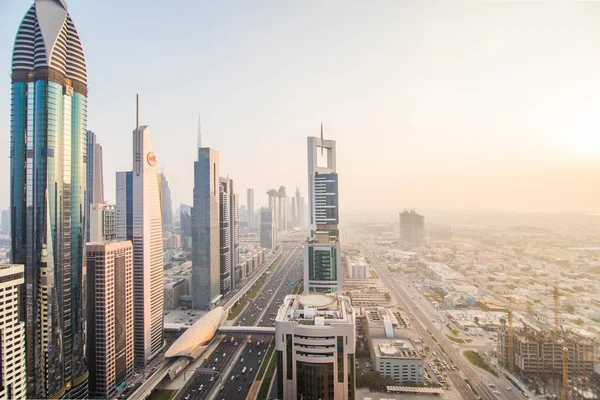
110, 317
174, 290
412, 229
315, 344
268, 233
186, 226
103, 222
12, 330
225, 235
300, 217
399, 360
166, 204
250, 206
206, 288
94, 177
5, 223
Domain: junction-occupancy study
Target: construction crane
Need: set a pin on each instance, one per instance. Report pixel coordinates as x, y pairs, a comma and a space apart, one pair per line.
565, 367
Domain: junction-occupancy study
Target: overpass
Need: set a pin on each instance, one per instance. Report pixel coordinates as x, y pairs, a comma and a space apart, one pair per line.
263, 330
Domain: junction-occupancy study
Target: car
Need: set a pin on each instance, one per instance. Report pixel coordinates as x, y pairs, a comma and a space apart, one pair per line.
187, 397
222, 387
508, 388
212, 378
496, 392
239, 389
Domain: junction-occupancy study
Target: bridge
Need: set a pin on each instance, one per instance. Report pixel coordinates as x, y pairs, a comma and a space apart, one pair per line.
264, 330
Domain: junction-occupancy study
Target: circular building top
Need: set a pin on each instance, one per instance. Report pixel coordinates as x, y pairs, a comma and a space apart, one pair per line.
316, 300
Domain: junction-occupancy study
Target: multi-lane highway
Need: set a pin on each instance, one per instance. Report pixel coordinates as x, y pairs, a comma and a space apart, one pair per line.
229, 380
423, 324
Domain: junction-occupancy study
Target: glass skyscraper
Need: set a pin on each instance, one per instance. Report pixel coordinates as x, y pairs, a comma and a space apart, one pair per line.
47, 192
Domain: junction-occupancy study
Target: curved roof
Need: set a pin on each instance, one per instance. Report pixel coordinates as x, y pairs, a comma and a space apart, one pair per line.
188, 345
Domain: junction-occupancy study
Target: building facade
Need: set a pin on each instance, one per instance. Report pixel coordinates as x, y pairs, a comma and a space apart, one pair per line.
103, 222
399, 360
166, 204
5, 223
48, 152
268, 233
185, 222
225, 235
206, 289
13, 381
139, 219
250, 206
323, 270
110, 323
94, 177
315, 346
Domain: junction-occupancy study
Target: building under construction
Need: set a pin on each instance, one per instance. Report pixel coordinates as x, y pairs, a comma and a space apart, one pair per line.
538, 354
412, 228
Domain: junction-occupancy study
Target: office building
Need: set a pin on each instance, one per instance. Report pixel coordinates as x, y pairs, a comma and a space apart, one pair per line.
250, 206
236, 273
166, 204
206, 289
398, 359
47, 196
225, 235
5, 223
315, 343
278, 202
412, 229
103, 222
110, 321
185, 222
13, 382
139, 219
268, 233
323, 270
300, 217
94, 178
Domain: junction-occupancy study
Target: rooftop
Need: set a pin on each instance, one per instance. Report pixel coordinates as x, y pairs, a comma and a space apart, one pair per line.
316, 308
393, 348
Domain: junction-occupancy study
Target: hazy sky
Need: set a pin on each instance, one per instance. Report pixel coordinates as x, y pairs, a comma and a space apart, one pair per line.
448, 104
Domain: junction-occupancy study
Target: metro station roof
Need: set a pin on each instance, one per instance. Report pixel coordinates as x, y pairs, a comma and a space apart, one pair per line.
189, 343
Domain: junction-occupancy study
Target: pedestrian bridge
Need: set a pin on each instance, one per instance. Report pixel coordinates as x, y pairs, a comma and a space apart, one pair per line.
263, 330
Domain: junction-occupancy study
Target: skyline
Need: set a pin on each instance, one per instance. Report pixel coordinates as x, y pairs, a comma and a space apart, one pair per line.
419, 81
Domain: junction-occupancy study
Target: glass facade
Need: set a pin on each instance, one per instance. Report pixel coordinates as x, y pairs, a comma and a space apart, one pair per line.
314, 381
322, 263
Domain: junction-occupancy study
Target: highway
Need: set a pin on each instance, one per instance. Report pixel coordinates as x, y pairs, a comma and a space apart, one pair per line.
228, 381
412, 310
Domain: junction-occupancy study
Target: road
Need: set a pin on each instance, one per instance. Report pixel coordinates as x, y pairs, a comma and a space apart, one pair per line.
258, 313
413, 310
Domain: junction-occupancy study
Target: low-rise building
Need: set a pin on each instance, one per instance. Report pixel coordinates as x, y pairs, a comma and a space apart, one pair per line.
399, 360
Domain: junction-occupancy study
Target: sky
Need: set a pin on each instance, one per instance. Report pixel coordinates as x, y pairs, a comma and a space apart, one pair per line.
434, 104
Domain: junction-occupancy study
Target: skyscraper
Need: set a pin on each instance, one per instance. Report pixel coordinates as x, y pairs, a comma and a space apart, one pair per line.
185, 222
250, 205
103, 222
299, 208
268, 232
165, 202
139, 219
205, 230
110, 323
47, 192
5, 224
323, 262
236, 273
225, 234
412, 229
12, 362
94, 178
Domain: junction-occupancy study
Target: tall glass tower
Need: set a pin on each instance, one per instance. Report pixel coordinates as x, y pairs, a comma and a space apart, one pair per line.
47, 191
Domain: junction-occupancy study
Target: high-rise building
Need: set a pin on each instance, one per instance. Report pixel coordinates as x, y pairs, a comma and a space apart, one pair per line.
12, 330
300, 209
294, 212
250, 205
166, 204
110, 324
94, 178
48, 182
103, 222
323, 270
412, 228
236, 274
206, 290
185, 221
139, 219
225, 235
315, 341
278, 202
5, 224
268, 233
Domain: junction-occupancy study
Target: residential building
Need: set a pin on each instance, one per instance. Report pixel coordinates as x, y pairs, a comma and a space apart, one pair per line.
110, 316
103, 222
166, 204
186, 226
94, 178
412, 229
139, 219
399, 360
315, 344
235, 238
13, 383
206, 289
225, 235
323, 270
250, 206
268, 233
47, 195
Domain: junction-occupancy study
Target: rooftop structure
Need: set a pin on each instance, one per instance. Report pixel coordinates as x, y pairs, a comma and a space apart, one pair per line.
397, 359
189, 343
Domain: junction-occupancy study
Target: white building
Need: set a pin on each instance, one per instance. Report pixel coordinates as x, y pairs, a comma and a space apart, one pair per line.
139, 219
398, 360
103, 222
13, 381
110, 323
315, 342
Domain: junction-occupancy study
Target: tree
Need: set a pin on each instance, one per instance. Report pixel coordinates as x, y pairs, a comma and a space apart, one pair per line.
388, 297
476, 319
570, 308
579, 321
